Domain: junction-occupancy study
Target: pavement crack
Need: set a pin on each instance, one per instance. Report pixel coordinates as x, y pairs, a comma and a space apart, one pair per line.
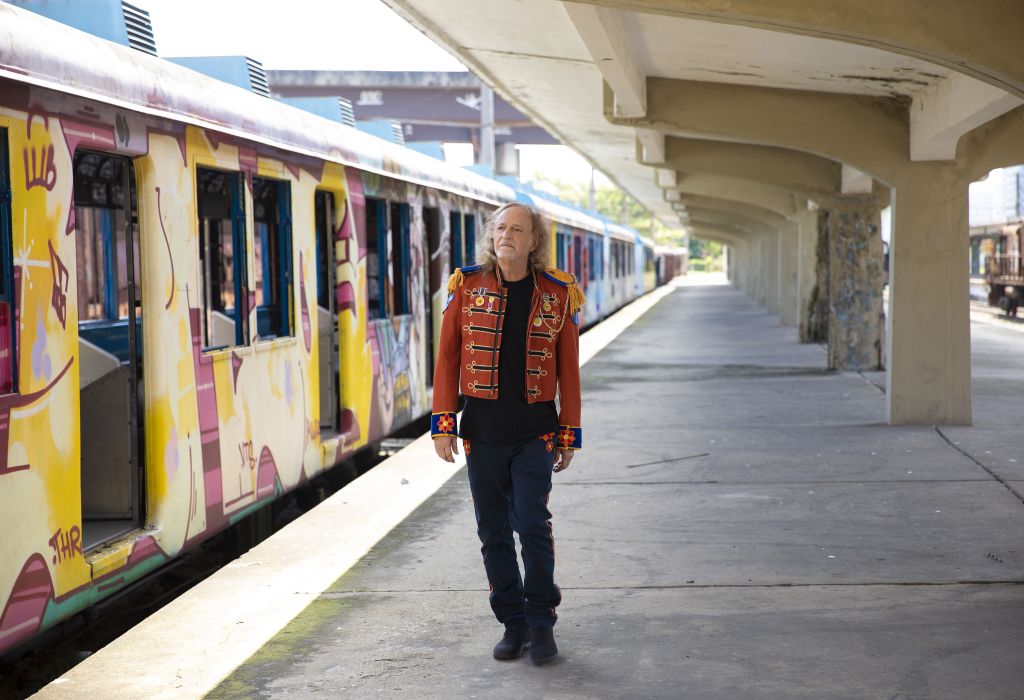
667, 461
974, 459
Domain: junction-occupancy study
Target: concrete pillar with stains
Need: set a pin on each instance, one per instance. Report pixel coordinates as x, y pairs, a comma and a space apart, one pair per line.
855, 320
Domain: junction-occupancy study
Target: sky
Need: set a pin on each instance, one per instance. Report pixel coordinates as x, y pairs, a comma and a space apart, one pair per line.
326, 35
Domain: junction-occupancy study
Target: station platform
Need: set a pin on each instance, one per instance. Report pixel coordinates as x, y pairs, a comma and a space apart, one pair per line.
740, 524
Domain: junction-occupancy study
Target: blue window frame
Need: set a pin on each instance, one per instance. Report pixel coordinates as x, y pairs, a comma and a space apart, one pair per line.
377, 257
564, 241
400, 258
455, 218
272, 250
8, 336
470, 240
323, 205
222, 258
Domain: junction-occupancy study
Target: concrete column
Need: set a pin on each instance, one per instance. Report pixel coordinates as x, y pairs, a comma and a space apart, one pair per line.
855, 283
928, 333
818, 308
770, 244
807, 273
760, 286
789, 244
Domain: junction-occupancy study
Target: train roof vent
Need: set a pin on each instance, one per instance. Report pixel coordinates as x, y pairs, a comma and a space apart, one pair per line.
139, 28
257, 77
348, 115
397, 133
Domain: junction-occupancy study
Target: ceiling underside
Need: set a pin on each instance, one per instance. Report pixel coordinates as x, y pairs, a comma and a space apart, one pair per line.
543, 60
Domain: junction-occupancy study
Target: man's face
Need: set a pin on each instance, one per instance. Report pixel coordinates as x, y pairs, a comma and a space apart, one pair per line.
513, 236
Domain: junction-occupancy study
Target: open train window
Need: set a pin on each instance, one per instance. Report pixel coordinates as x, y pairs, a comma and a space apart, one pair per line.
376, 257
100, 236
8, 346
222, 260
272, 251
455, 219
400, 258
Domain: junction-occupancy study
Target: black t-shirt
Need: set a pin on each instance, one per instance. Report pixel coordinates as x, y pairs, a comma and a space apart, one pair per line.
509, 419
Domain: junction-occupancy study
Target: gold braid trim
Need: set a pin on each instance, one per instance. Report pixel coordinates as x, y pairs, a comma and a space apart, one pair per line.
576, 297
455, 281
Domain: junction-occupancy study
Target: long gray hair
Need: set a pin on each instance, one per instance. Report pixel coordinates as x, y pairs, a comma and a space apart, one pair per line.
540, 256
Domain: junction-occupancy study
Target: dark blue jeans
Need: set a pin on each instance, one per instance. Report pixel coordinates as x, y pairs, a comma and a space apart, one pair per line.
511, 485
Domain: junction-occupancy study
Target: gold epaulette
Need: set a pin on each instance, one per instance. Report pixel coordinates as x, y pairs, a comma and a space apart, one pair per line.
457, 277
568, 280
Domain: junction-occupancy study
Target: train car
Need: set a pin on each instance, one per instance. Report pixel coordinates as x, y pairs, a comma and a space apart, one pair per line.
997, 276
207, 299
621, 280
669, 263
645, 272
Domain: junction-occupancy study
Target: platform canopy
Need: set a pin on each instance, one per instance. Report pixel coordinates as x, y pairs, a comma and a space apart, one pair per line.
600, 74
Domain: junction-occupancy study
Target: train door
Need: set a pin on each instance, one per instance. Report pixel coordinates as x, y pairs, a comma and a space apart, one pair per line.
327, 315
110, 345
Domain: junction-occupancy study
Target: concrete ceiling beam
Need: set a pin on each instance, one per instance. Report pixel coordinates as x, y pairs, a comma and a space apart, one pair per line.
943, 113
809, 176
853, 181
868, 133
768, 197
974, 38
652, 146
746, 225
742, 211
600, 28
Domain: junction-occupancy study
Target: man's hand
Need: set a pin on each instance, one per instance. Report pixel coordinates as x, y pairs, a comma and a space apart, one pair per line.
562, 459
446, 447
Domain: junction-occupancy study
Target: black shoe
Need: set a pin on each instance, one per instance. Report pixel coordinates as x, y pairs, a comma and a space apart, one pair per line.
514, 643
543, 648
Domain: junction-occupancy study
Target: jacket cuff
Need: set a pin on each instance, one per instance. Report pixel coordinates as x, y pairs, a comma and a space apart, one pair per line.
442, 424
570, 437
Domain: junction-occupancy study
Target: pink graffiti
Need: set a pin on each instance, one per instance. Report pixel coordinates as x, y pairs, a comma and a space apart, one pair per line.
59, 294
66, 545
247, 454
43, 171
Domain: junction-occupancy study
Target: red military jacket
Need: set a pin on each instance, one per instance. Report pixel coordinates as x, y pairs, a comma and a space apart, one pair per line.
467, 359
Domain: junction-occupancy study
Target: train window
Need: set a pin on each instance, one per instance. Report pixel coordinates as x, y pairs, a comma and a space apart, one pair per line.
400, 259
595, 258
562, 250
8, 346
376, 256
323, 215
577, 257
100, 235
455, 221
272, 253
469, 236
222, 259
